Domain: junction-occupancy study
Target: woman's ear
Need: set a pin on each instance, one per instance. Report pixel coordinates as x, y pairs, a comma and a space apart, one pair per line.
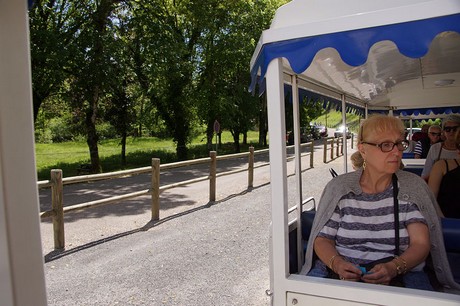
361, 150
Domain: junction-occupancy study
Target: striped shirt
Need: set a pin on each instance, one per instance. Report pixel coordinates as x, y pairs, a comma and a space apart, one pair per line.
418, 148
362, 226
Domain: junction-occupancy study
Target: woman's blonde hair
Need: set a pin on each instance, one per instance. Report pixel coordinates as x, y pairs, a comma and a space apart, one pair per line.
377, 124
357, 160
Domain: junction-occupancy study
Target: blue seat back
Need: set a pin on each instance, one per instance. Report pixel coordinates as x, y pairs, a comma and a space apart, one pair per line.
408, 155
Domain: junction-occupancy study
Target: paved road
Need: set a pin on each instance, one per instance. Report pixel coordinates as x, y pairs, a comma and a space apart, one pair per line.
199, 253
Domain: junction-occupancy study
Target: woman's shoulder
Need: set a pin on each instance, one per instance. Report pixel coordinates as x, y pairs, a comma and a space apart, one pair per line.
345, 183
448, 164
410, 181
434, 148
440, 166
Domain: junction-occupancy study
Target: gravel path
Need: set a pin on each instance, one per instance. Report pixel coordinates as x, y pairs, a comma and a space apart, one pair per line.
199, 253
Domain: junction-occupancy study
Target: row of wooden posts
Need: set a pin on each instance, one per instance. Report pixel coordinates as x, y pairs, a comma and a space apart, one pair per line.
57, 182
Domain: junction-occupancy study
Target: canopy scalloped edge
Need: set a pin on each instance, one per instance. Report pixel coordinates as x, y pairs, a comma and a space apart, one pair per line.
412, 39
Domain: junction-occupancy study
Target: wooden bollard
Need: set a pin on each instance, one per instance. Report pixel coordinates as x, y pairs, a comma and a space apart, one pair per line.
342, 144
212, 176
312, 147
325, 151
155, 189
337, 148
332, 148
58, 208
251, 167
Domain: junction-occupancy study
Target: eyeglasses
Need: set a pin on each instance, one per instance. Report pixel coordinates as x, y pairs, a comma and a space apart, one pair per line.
450, 128
435, 134
388, 146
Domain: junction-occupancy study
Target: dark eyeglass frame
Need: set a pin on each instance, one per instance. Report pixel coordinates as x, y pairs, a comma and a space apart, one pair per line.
450, 128
401, 145
435, 134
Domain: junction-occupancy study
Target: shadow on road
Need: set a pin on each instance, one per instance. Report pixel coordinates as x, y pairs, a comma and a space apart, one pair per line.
56, 254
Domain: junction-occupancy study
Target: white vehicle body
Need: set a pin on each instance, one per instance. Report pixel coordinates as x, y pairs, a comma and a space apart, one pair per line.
350, 53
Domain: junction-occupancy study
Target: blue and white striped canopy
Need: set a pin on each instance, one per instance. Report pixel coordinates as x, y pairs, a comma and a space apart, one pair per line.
410, 66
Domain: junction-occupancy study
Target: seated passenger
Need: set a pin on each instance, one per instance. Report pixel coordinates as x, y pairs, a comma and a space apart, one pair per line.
423, 146
423, 134
444, 181
445, 149
355, 221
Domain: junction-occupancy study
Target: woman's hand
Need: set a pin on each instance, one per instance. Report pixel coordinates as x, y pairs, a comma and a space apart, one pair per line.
381, 274
346, 270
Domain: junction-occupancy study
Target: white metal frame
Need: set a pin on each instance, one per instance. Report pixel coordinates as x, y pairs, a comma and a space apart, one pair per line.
298, 19
302, 290
22, 279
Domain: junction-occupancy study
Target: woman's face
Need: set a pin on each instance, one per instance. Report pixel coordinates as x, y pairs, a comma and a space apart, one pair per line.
450, 129
378, 161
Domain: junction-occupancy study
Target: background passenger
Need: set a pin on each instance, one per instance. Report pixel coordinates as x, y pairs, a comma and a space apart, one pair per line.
355, 223
423, 134
446, 149
445, 183
423, 146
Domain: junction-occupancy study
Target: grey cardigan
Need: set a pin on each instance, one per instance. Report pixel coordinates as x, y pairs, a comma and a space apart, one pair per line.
412, 188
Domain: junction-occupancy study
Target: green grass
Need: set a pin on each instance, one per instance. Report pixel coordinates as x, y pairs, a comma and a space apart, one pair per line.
334, 119
68, 156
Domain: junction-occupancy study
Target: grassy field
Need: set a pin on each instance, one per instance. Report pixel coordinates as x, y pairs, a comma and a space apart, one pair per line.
68, 156
334, 119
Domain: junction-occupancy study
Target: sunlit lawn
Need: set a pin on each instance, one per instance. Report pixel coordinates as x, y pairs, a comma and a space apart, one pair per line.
68, 156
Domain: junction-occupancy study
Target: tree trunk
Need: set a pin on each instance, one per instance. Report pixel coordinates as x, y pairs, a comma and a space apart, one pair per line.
263, 129
37, 102
209, 134
181, 149
236, 141
123, 148
92, 137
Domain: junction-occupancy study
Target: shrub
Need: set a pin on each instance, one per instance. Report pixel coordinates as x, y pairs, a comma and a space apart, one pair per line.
106, 131
60, 130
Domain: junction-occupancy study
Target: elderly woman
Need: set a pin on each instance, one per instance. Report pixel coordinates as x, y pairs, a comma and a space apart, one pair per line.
354, 226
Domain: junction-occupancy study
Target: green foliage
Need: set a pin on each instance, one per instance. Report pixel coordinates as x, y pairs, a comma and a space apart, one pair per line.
106, 131
308, 111
155, 67
60, 130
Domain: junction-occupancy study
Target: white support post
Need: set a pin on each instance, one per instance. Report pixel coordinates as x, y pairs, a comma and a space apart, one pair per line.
298, 166
278, 176
22, 277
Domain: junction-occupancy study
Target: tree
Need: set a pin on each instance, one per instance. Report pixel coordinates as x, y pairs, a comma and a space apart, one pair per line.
53, 26
234, 29
91, 67
178, 64
166, 35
